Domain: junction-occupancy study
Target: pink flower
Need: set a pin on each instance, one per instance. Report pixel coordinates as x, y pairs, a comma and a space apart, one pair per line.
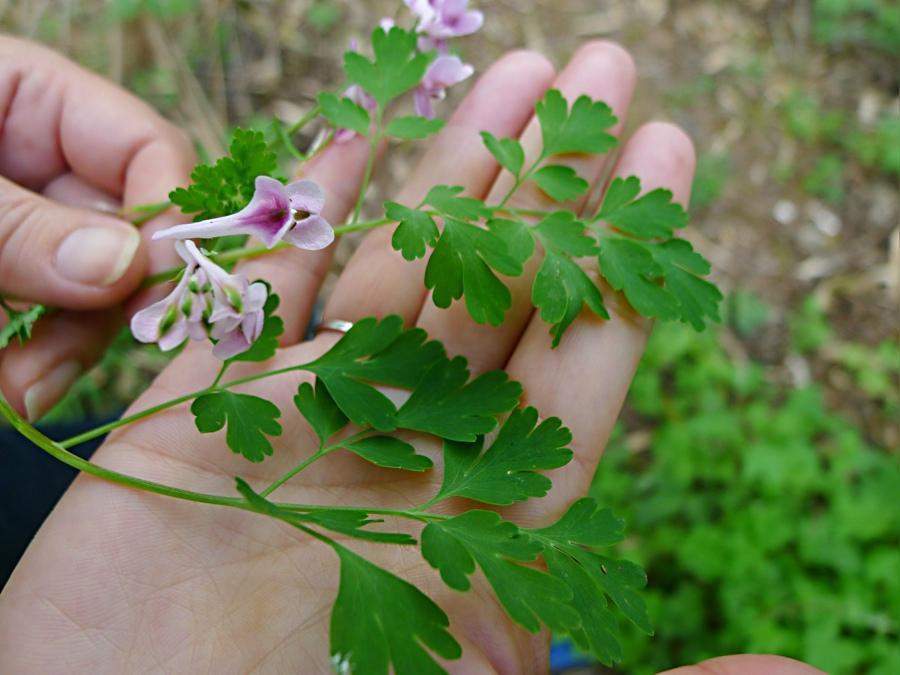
445, 71
179, 315
440, 20
207, 302
290, 212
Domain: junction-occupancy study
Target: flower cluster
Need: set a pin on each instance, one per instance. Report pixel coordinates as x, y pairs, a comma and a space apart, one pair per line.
207, 302
210, 302
436, 22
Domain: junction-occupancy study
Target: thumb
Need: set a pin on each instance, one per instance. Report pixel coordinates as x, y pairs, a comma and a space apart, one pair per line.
747, 664
62, 256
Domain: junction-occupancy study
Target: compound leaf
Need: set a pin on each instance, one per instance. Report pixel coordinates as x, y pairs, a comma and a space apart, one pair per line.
396, 68
651, 215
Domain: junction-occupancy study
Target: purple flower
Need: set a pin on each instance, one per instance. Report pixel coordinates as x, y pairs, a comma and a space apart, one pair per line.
445, 71
439, 20
290, 212
207, 302
236, 317
179, 315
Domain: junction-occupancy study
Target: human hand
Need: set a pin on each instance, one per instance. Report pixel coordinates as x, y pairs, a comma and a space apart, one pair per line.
74, 150
120, 580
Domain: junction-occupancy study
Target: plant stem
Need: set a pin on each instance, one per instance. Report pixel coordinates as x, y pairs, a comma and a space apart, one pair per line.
303, 121
140, 214
520, 179
374, 140
59, 452
222, 370
319, 454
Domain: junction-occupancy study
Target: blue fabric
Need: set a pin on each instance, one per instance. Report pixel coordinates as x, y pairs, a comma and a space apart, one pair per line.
31, 482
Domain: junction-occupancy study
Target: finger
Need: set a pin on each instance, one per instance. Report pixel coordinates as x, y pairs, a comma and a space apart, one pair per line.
59, 118
70, 190
297, 275
377, 280
65, 257
604, 71
585, 379
747, 664
34, 376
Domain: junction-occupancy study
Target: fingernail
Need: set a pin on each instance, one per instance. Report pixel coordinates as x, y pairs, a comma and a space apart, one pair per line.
41, 395
97, 256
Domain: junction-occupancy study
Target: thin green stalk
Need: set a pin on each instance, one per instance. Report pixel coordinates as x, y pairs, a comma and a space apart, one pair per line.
140, 214
57, 451
520, 179
221, 373
319, 454
303, 121
374, 140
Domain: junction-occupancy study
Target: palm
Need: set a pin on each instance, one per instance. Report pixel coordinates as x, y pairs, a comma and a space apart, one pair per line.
124, 580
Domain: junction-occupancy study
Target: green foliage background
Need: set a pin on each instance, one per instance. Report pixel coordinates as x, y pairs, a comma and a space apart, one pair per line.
765, 521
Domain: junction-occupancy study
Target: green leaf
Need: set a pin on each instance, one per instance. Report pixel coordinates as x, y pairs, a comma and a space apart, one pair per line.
267, 343
250, 420
389, 452
343, 113
598, 632
561, 288
516, 235
652, 215
530, 596
464, 261
381, 623
639, 268
415, 232
580, 130
351, 522
344, 521
396, 68
227, 186
446, 404
586, 524
698, 300
507, 151
320, 410
630, 267
582, 528
562, 233
19, 323
446, 199
507, 471
562, 183
375, 351
413, 128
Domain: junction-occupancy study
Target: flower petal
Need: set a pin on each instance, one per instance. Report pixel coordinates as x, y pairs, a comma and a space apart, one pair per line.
306, 195
232, 344
313, 234
145, 324
177, 334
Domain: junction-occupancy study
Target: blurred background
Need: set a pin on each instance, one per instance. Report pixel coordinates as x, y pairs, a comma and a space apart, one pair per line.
758, 464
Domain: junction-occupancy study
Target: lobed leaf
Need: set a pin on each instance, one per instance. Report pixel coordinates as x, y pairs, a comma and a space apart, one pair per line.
561, 182
381, 623
19, 324
344, 113
581, 129
396, 68
413, 128
320, 410
416, 230
250, 420
389, 452
507, 151
227, 186
507, 471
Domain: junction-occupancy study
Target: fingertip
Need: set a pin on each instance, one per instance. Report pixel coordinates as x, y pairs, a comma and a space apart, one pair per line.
747, 664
